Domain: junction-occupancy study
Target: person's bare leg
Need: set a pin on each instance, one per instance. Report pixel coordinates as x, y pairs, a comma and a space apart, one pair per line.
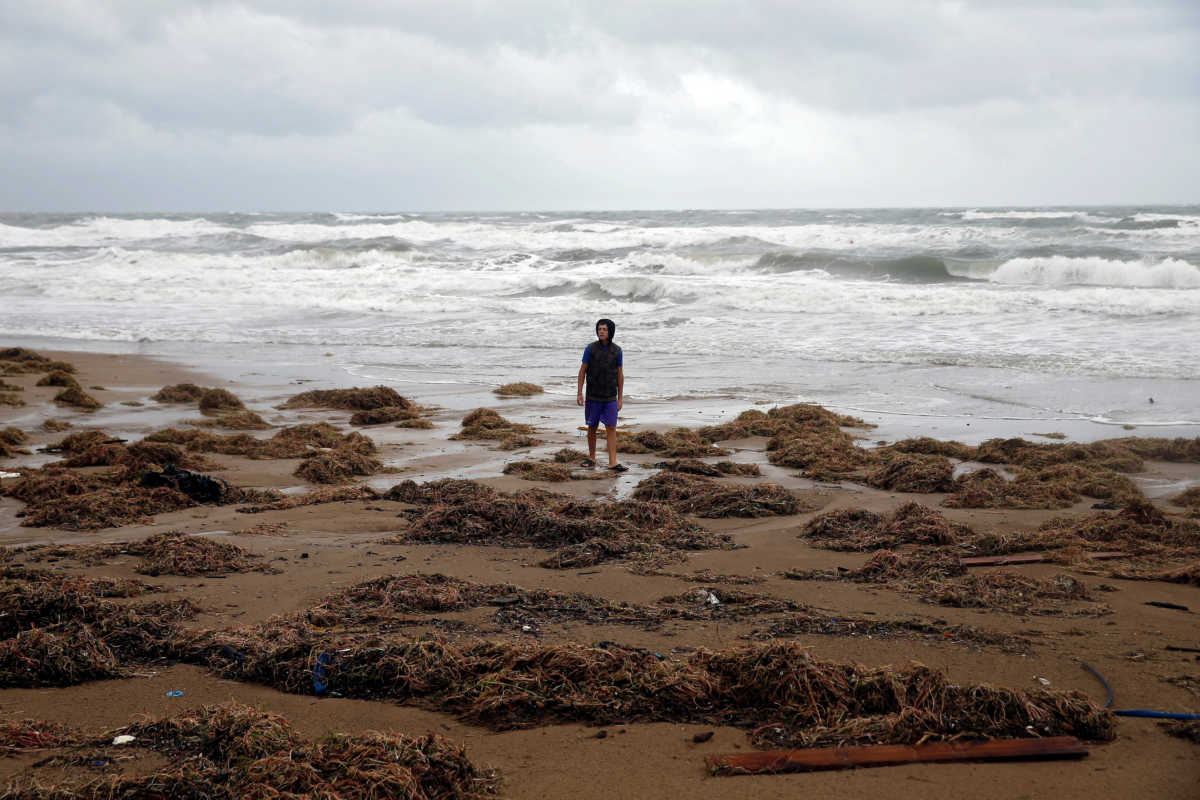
592, 443
611, 432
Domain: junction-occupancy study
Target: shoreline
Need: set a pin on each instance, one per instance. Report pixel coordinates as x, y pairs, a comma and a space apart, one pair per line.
340, 542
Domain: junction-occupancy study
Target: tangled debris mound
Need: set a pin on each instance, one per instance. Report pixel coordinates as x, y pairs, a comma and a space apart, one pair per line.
10, 399
778, 691
1183, 729
1138, 528
60, 379
547, 471
1189, 498
914, 472
780, 420
925, 445
1160, 448
179, 393
1111, 453
19, 361
446, 491
569, 456
1006, 590
379, 416
585, 533
339, 465
243, 420
354, 399
695, 466
315, 497
858, 529
177, 553
296, 441
987, 488
232, 751
705, 497
74, 396
137, 456
519, 389
55, 425
10, 441
675, 443
215, 401
487, 424
809, 622
10, 387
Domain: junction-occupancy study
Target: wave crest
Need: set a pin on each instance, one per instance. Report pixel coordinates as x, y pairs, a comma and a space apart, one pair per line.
1169, 273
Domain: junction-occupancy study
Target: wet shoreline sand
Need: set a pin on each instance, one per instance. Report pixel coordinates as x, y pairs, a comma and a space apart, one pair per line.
340, 542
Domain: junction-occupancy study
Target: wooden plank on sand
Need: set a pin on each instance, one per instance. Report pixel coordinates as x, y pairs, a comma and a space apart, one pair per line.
817, 758
1024, 558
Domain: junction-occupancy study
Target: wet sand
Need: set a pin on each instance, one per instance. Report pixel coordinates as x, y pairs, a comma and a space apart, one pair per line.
328, 547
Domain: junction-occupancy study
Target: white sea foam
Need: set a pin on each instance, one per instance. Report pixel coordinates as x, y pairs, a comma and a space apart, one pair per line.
1028, 214
1170, 273
106, 230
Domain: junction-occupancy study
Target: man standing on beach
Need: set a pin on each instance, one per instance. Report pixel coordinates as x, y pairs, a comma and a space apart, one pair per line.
603, 368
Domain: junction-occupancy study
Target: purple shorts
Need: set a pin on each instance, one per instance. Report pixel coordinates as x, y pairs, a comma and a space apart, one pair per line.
597, 411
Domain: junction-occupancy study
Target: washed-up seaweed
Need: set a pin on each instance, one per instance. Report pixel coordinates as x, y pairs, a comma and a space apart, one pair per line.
11, 399
296, 441
584, 533
1159, 448
1183, 729
810, 622
826, 454
55, 425
172, 553
240, 420
675, 443
705, 497
695, 466
234, 752
987, 488
1116, 454
487, 424
60, 379
219, 401
384, 414
518, 389
1137, 528
1189, 498
504, 686
446, 490
179, 393
354, 399
341, 494
781, 420
18, 360
340, 465
926, 445
548, 471
74, 396
914, 472
137, 456
859, 529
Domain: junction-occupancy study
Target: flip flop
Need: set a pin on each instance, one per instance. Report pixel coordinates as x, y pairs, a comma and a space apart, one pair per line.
587, 462
619, 468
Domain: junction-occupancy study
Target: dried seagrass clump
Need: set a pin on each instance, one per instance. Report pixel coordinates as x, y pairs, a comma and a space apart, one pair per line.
179, 393
59, 378
379, 416
12, 436
74, 396
177, 553
548, 471
675, 443
243, 420
18, 360
705, 497
487, 424
929, 446
914, 473
1189, 498
55, 425
232, 751
217, 401
10, 399
337, 466
987, 488
858, 529
519, 389
781, 420
354, 399
695, 466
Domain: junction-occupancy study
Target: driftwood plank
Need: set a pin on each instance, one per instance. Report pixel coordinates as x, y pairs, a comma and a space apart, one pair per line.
772, 761
1024, 558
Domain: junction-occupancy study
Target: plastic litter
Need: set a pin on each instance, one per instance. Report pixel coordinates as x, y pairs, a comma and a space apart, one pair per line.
124, 738
175, 693
319, 675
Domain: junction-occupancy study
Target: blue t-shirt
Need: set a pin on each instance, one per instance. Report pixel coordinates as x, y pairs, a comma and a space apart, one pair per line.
587, 355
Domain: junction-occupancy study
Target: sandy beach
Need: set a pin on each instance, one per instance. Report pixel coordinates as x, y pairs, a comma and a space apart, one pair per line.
312, 552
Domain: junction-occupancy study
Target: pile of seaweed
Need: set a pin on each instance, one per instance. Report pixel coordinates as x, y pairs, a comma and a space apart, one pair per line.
519, 389
1056, 486
243, 420
232, 751
382, 603
914, 472
779, 421
487, 424
583, 533
59, 631
675, 443
551, 471
374, 405
352, 457
1189, 498
706, 497
341, 494
169, 553
859, 529
695, 466
11, 440
295, 441
19, 361
60, 496
777, 691
809, 622
1183, 729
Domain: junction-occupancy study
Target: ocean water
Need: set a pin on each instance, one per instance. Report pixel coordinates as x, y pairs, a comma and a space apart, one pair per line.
1007, 319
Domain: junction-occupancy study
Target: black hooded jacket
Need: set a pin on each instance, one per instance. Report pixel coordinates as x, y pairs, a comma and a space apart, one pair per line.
602, 384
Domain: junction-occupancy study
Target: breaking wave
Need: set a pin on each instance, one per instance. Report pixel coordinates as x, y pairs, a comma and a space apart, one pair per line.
1169, 273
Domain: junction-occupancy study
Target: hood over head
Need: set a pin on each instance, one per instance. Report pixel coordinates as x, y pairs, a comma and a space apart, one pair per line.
612, 328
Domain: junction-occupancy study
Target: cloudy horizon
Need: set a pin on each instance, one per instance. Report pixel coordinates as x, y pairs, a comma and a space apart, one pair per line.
551, 105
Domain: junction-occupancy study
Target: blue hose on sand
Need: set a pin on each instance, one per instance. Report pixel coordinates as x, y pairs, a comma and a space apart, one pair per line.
1136, 712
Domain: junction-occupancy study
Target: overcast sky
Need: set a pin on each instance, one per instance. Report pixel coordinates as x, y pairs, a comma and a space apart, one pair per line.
554, 104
